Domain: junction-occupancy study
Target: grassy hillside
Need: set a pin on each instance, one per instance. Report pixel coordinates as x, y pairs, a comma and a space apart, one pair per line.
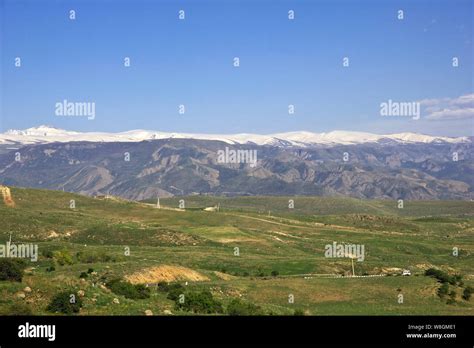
97, 234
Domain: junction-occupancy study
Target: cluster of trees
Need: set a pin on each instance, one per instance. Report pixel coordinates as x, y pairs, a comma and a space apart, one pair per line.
63, 257
446, 280
259, 273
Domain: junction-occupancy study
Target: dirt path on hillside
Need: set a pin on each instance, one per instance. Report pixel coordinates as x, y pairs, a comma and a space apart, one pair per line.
315, 225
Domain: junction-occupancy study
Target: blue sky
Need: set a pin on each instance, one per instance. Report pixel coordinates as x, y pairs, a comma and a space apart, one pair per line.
190, 62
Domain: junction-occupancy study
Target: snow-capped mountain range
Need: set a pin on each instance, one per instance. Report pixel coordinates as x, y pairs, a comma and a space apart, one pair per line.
48, 134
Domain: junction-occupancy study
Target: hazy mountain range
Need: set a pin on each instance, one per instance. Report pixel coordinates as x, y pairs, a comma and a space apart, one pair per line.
363, 165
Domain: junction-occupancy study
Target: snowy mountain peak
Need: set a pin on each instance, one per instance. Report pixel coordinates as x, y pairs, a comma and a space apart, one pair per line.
42, 130
48, 134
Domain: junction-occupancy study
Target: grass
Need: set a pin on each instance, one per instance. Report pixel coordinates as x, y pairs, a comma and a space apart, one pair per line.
289, 241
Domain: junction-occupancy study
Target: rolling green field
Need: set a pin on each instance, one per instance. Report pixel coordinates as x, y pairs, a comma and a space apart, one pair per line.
255, 249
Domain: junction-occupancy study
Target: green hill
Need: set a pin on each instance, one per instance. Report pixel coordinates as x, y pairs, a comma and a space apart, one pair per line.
118, 238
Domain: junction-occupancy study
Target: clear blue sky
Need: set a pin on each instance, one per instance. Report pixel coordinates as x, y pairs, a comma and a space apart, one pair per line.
190, 62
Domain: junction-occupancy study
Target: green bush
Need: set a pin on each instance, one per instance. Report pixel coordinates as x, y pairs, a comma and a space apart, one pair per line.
298, 312
237, 307
83, 275
443, 277
49, 254
64, 303
11, 269
128, 290
275, 273
467, 293
63, 257
173, 293
443, 290
167, 287
199, 302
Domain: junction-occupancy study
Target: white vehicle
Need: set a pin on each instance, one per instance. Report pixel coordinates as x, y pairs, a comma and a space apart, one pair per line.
406, 272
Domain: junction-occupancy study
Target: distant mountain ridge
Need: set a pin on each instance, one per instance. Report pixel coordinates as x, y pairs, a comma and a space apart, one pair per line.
172, 166
47, 134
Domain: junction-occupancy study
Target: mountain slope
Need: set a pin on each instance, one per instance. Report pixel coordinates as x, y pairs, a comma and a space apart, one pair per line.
171, 167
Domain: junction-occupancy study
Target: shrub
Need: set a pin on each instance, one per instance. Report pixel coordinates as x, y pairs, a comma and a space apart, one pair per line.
48, 254
443, 290
11, 269
64, 303
83, 275
298, 312
199, 302
50, 269
443, 277
167, 287
175, 291
142, 291
467, 293
128, 290
63, 257
237, 307
90, 270
275, 273
162, 286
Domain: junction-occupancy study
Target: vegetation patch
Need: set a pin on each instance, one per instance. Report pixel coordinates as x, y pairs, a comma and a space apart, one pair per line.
11, 269
65, 302
128, 290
